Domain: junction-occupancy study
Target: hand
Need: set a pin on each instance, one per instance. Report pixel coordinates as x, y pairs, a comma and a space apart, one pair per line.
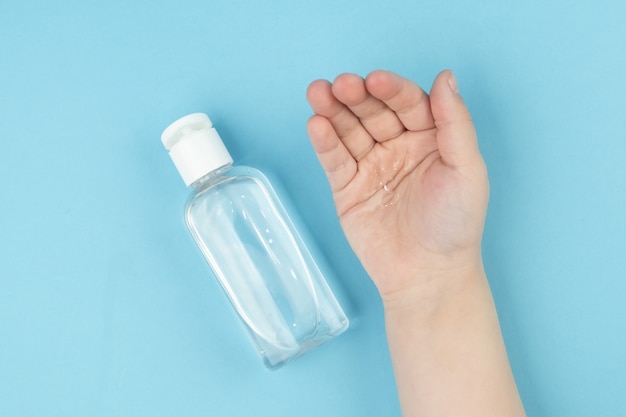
408, 180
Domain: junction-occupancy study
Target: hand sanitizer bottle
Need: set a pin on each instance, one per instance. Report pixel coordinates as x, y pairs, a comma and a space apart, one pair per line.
251, 244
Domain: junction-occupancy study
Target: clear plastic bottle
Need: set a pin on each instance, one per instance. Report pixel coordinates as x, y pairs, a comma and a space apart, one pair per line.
252, 246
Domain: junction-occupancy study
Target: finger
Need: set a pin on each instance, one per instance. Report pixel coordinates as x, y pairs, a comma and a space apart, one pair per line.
347, 126
377, 118
456, 137
404, 97
337, 162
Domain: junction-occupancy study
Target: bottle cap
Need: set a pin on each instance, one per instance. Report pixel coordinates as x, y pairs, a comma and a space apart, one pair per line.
195, 147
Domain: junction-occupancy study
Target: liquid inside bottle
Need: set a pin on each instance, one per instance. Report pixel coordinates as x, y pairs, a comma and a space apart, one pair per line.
263, 264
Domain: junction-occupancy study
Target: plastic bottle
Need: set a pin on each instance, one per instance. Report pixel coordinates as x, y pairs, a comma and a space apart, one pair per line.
252, 246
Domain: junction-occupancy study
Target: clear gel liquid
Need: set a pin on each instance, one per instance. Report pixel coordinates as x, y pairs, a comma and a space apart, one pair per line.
264, 266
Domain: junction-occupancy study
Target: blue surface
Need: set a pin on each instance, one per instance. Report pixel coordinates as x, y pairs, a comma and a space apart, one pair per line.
106, 306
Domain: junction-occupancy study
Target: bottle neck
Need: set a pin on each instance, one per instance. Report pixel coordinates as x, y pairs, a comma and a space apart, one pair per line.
211, 177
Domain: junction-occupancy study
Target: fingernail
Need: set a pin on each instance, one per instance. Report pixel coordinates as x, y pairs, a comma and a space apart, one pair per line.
453, 84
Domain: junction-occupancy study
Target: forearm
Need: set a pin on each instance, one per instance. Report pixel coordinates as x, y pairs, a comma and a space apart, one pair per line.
447, 349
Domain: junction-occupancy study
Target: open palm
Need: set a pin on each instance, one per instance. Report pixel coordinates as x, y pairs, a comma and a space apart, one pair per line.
408, 181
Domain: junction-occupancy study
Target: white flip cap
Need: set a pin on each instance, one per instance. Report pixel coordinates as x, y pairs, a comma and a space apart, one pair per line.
195, 147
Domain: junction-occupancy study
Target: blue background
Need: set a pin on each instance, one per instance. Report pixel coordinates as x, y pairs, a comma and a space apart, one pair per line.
106, 306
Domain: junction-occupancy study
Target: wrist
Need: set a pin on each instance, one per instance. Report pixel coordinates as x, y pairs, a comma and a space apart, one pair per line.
443, 339
431, 289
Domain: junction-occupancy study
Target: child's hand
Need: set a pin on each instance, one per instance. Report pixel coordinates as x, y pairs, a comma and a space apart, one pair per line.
409, 183
411, 192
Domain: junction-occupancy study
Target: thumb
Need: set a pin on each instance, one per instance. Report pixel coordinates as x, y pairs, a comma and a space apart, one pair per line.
456, 137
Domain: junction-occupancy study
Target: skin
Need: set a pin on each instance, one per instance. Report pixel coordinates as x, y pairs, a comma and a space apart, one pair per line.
411, 190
